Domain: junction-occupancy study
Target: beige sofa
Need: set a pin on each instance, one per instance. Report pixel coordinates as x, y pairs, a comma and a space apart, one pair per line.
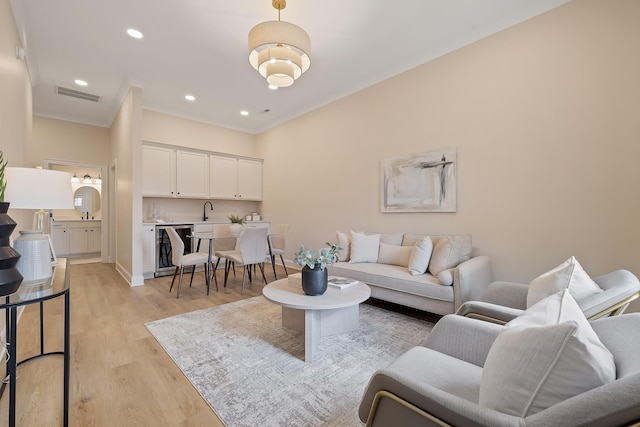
396, 270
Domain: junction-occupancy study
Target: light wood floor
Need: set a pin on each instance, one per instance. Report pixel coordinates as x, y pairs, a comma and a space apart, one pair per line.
120, 375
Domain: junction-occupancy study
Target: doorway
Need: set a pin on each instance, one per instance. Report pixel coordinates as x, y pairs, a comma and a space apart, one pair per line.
90, 184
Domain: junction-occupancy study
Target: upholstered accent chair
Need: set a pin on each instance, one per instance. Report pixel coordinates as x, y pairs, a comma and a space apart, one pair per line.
441, 384
504, 301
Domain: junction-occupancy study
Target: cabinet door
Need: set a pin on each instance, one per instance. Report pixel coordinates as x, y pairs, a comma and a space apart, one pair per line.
192, 174
148, 248
223, 177
158, 171
249, 179
78, 240
60, 239
94, 242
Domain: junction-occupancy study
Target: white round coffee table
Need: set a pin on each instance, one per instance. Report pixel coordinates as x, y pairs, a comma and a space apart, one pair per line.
334, 312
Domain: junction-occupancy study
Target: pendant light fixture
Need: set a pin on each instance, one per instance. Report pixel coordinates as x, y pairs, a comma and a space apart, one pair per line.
279, 50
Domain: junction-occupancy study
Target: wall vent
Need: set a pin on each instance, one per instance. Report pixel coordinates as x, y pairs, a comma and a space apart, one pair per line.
77, 94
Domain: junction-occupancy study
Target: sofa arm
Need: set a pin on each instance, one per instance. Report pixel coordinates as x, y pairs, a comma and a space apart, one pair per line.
463, 338
470, 280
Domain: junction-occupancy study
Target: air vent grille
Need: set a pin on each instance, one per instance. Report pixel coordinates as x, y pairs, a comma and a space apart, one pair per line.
77, 94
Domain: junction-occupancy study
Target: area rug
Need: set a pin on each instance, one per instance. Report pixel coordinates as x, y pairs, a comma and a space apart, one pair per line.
251, 370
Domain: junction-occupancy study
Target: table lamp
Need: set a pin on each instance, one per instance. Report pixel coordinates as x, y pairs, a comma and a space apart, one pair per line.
39, 189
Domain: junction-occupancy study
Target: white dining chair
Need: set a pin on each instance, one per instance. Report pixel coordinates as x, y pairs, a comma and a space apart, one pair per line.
278, 238
251, 250
182, 260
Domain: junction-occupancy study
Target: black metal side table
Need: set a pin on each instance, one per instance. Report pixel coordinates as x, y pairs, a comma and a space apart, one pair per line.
30, 293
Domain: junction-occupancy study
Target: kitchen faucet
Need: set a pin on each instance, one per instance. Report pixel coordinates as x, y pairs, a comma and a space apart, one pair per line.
204, 210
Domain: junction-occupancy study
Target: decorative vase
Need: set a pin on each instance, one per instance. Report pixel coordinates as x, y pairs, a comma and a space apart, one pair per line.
314, 280
235, 229
10, 277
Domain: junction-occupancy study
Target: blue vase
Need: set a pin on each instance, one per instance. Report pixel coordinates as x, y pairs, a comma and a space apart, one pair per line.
314, 281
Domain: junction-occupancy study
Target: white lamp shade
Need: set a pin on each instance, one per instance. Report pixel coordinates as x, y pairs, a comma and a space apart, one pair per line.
31, 188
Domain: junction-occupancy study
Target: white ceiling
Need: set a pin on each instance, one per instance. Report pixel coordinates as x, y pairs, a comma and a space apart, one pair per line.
200, 47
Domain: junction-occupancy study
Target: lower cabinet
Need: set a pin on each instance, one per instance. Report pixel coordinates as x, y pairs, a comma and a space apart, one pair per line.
76, 237
148, 250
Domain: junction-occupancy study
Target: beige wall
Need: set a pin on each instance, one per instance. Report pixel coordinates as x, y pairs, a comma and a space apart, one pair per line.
126, 146
15, 105
166, 129
544, 118
69, 141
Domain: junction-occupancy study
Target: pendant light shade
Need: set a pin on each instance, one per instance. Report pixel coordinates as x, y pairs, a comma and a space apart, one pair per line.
279, 50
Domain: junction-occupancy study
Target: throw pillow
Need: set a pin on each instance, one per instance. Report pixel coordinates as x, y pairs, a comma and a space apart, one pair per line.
547, 355
364, 247
420, 256
445, 277
568, 275
343, 243
446, 254
394, 255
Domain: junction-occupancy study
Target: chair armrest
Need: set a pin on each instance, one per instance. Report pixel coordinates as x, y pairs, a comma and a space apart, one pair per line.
470, 279
463, 338
508, 294
488, 312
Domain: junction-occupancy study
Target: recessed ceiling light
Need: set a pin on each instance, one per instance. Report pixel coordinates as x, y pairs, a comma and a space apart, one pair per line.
134, 33
80, 82
244, 113
273, 87
190, 97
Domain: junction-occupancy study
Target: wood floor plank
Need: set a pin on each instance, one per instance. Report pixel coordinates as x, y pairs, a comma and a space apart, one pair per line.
120, 375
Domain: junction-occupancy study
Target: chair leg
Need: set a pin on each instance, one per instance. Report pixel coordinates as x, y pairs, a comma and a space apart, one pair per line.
193, 271
244, 273
226, 272
261, 265
213, 273
285, 267
180, 281
174, 278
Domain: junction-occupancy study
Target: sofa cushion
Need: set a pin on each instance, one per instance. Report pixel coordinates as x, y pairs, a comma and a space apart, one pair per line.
447, 253
547, 355
568, 275
420, 256
395, 278
344, 243
391, 238
445, 277
394, 254
364, 247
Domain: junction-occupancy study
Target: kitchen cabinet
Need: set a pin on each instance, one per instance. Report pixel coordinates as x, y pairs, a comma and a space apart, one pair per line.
235, 178
192, 174
168, 172
158, 171
85, 237
148, 250
60, 238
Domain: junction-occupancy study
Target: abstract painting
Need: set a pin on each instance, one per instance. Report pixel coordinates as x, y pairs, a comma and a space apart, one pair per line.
420, 182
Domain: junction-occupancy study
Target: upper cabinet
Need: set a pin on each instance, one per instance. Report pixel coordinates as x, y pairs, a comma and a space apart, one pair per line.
158, 171
168, 172
235, 178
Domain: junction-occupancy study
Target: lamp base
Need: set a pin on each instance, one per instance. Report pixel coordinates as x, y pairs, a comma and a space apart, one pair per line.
10, 277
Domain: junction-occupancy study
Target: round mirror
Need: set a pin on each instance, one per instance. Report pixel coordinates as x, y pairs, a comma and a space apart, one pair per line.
86, 199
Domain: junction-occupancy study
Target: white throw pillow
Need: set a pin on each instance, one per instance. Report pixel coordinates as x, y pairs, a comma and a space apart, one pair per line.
420, 256
343, 243
568, 275
547, 355
447, 253
445, 277
394, 255
364, 247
